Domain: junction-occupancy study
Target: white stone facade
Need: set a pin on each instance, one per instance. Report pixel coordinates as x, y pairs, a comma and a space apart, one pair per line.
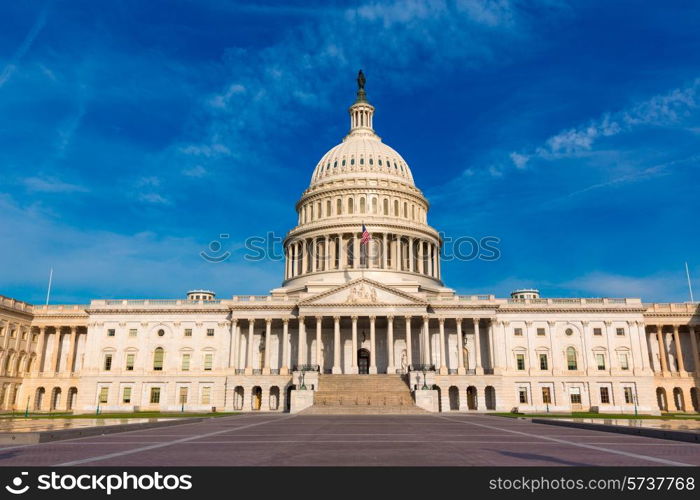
351, 307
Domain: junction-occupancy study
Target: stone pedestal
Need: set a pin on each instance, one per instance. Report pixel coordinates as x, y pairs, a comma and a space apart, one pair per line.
300, 400
427, 399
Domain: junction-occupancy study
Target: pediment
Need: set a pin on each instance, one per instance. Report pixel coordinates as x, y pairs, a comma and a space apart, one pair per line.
363, 291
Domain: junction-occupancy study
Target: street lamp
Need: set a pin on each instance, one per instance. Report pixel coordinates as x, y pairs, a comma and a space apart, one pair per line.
425, 379
301, 379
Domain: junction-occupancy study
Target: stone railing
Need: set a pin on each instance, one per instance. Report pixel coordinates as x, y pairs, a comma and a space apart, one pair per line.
577, 301
15, 304
678, 307
152, 302
51, 308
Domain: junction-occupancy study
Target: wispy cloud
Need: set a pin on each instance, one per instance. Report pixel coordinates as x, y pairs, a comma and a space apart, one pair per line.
658, 111
24, 47
52, 185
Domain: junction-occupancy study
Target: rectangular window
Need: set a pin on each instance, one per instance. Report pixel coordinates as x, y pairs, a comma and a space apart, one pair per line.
13, 333
34, 337
620, 331
126, 397
129, 362
111, 332
158, 359
210, 332
185, 362
540, 332
24, 335
624, 361
543, 362
600, 361
188, 332
522, 395
132, 332
546, 395
604, 396
183, 395
208, 358
206, 395
629, 395
575, 393
518, 331
597, 331
520, 360
108, 362
155, 395
104, 392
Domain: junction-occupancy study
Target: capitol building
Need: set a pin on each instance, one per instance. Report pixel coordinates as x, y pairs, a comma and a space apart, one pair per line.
363, 322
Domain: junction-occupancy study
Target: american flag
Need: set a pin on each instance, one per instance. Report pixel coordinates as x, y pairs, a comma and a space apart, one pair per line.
365, 235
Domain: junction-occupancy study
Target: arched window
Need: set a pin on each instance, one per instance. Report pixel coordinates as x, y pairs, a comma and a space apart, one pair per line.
386, 206
374, 205
158, 356
571, 358
339, 207
396, 208
351, 204
328, 208
363, 206
405, 210
318, 210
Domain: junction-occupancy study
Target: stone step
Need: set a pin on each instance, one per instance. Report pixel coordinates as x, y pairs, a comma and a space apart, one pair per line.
363, 395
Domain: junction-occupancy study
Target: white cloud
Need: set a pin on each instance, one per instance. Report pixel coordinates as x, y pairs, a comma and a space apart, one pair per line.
51, 185
659, 111
24, 47
519, 160
195, 171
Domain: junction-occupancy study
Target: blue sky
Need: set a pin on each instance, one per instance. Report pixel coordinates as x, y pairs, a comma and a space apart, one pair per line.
132, 134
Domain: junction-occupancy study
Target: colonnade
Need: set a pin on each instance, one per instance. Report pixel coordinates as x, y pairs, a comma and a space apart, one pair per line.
342, 251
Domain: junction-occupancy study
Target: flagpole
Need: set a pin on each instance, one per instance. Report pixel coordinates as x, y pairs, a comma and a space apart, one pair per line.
690, 286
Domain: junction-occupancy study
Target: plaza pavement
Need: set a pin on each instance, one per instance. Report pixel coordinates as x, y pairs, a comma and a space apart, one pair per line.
313, 440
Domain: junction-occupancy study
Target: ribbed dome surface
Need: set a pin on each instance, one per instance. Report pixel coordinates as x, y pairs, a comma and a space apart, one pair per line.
362, 153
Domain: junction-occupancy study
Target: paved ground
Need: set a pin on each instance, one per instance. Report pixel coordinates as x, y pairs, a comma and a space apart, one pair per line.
358, 440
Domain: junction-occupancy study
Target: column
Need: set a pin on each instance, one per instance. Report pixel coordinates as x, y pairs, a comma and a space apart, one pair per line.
420, 256
285, 347
326, 255
460, 348
71, 351
443, 358
390, 344
556, 355
492, 355
609, 332
353, 354
304, 256
232, 361
644, 345
300, 342
477, 347
355, 252
385, 246
268, 346
662, 349
336, 345
314, 255
586, 350
249, 357
410, 255
342, 248
679, 354
373, 345
319, 345
54, 355
409, 349
333, 254
36, 369
398, 253
694, 346
426, 341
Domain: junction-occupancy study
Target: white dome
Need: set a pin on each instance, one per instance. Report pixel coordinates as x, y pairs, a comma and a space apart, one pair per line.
362, 152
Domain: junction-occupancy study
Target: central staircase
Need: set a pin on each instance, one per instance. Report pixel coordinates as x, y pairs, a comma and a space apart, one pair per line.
363, 395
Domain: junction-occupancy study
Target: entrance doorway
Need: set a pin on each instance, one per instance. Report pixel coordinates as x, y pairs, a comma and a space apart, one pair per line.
257, 398
363, 361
